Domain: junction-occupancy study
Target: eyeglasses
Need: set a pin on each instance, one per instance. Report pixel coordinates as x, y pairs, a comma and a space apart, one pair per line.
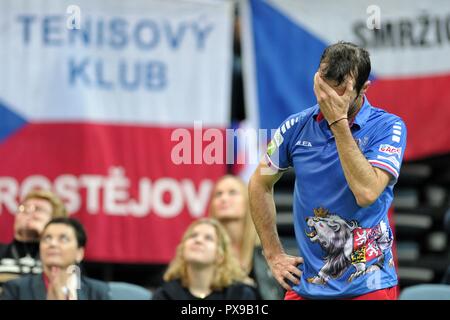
27, 209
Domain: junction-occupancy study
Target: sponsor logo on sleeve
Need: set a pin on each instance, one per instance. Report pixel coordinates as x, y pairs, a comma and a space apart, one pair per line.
391, 150
275, 142
271, 147
278, 138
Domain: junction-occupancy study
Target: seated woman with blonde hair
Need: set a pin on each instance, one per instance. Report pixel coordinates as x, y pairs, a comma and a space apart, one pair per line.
204, 267
230, 206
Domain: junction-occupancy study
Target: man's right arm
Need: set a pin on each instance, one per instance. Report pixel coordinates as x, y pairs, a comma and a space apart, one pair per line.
262, 206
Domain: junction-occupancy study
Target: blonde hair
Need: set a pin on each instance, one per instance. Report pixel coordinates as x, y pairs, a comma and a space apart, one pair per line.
227, 270
58, 207
250, 238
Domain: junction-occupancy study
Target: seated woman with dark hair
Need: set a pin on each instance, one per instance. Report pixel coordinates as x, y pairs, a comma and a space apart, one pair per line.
61, 249
204, 267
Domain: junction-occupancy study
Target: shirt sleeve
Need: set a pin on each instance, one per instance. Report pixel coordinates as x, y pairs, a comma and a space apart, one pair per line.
278, 153
388, 148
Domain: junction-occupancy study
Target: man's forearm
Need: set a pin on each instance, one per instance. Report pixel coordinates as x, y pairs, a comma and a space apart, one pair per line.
359, 173
263, 212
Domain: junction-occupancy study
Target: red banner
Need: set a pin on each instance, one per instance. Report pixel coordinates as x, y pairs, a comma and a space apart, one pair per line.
121, 182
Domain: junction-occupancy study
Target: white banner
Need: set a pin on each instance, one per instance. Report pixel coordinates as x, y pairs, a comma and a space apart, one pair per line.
92, 93
140, 61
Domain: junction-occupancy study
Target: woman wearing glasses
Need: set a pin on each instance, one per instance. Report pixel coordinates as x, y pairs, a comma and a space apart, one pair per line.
21, 256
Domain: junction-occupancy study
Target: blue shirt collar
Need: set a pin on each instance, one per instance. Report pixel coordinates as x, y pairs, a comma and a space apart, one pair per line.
363, 115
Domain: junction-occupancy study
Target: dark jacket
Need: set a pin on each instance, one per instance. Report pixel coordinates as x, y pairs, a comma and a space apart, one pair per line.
32, 287
173, 290
18, 259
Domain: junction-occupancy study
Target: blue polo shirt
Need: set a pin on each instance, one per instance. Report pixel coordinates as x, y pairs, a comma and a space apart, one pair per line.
346, 248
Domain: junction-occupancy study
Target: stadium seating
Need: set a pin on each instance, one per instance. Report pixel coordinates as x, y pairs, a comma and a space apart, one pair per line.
426, 292
128, 291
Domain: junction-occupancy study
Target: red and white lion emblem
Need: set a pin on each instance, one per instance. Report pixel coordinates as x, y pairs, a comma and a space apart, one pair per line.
346, 244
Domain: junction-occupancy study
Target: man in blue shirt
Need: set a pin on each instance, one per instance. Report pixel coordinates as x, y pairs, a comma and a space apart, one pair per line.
347, 156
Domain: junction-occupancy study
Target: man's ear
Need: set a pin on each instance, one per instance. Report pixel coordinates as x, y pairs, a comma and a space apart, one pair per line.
365, 87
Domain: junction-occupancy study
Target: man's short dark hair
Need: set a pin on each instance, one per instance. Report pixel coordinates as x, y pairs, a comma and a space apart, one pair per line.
343, 59
77, 227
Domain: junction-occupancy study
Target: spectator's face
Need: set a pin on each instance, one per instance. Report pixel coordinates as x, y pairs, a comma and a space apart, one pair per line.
200, 247
229, 201
31, 217
59, 246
